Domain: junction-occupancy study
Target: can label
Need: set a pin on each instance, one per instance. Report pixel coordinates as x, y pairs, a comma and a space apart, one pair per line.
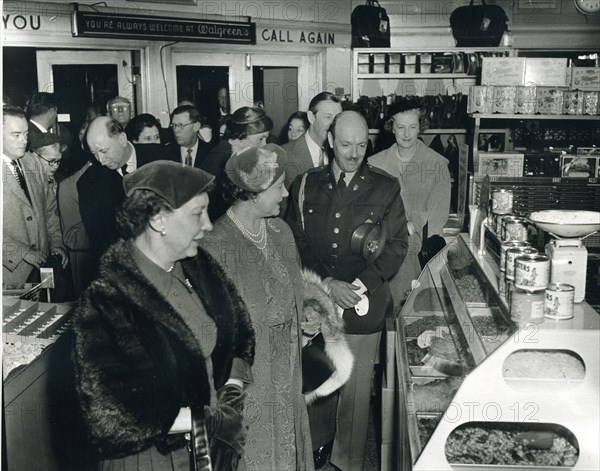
515, 229
527, 306
559, 301
509, 245
532, 272
511, 256
498, 224
502, 202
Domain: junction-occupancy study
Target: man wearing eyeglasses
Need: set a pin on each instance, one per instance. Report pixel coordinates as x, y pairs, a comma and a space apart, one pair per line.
119, 109
189, 148
47, 147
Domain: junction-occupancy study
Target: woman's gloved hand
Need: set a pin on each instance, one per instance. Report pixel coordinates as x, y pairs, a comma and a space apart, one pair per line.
232, 395
224, 421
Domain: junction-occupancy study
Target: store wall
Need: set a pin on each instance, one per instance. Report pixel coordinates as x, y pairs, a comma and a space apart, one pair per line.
425, 23
294, 27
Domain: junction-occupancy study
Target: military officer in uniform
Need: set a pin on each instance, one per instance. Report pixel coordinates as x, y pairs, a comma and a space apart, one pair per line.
332, 209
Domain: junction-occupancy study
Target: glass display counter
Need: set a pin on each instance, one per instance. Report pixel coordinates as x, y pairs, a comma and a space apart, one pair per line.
481, 392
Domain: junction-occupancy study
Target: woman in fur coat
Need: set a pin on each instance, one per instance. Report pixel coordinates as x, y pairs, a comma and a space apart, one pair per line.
163, 342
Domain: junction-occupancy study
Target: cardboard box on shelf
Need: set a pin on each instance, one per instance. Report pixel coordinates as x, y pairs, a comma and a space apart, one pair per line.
573, 102
550, 100
590, 103
585, 78
582, 166
503, 71
500, 164
546, 71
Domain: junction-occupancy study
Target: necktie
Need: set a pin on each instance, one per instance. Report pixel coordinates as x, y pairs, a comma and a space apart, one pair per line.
188, 157
342, 182
322, 157
124, 170
21, 178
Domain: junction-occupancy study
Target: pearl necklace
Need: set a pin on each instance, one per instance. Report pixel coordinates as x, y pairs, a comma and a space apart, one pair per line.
186, 281
259, 239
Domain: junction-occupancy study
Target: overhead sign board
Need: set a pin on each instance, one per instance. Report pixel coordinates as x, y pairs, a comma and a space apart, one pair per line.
111, 25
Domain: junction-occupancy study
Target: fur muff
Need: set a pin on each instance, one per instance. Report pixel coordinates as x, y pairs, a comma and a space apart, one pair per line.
320, 313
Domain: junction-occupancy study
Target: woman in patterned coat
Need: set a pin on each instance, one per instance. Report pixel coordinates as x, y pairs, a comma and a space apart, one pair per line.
257, 250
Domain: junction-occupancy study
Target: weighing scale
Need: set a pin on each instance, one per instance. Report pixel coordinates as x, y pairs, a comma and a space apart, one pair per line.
568, 255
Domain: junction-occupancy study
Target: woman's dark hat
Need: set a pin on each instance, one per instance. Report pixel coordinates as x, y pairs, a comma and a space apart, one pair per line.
256, 168
172, 181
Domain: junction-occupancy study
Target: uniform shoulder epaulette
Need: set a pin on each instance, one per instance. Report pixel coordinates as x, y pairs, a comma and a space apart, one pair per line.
315, 169
379, 171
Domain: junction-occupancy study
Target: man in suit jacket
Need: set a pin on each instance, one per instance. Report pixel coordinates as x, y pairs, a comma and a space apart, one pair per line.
308, 151
188, 148
42, 110
100, 189
328, 204
31, 231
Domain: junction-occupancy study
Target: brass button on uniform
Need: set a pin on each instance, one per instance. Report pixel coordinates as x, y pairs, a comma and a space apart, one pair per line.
29, 218
334, 245
336, 230
338, 215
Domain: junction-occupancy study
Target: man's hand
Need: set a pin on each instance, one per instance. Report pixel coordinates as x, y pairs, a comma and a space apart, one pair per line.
343, 294
60, 253
34, 257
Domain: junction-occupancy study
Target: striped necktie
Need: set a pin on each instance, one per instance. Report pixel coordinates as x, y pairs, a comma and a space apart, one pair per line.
188, 158
21, 178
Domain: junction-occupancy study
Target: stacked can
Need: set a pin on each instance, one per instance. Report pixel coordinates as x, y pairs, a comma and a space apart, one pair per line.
532, 276
513, 228
509, 270
502, 281
502, 201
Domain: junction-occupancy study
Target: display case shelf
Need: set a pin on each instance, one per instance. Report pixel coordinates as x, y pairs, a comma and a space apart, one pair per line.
522, 398
557, 117
409, 76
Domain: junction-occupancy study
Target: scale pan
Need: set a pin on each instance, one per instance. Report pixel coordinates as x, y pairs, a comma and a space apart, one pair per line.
567, 223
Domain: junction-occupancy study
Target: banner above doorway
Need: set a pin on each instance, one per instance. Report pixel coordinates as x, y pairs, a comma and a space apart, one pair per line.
111, 25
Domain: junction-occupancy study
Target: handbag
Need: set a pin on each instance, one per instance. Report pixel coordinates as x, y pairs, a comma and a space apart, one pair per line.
316, 365
478, 25
370, 25
430, 247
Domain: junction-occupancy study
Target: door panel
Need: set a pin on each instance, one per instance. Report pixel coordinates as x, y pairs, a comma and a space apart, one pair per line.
79, 78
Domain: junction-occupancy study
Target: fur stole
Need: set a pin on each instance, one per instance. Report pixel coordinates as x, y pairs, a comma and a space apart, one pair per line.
320, 313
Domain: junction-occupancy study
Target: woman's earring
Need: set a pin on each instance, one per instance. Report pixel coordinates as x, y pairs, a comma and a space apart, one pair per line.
163, 231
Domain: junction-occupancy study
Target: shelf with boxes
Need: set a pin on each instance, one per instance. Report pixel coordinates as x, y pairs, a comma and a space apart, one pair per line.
379, 70
520, 89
